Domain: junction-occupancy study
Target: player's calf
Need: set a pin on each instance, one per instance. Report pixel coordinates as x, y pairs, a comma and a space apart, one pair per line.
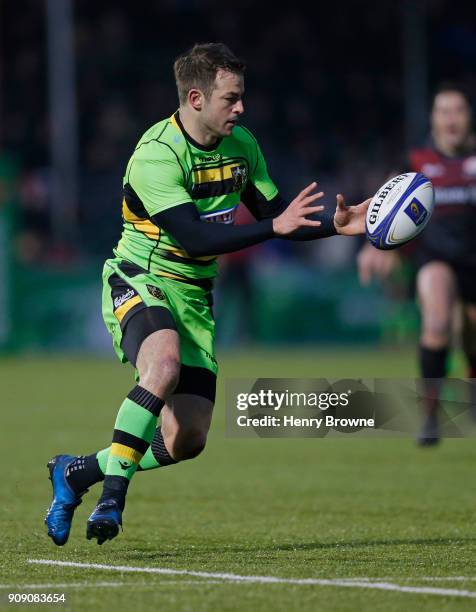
186, 444
186, 421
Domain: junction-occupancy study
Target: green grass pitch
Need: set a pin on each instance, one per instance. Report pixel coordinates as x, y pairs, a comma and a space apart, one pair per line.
380, 510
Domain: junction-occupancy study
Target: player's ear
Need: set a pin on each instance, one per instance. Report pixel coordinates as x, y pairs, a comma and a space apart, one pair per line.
195, 98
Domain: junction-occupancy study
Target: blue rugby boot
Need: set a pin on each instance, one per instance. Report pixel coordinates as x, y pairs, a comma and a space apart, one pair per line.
65, 501
104, 522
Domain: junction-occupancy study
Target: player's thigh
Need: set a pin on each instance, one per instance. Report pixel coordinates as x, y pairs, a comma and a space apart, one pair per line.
158, 362
437, 292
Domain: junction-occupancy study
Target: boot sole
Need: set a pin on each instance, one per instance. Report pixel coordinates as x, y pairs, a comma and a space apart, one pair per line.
102, 530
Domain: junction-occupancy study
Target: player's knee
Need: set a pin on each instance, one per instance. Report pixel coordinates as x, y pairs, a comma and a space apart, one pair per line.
436, 331
162, 376
437, 325
170, 371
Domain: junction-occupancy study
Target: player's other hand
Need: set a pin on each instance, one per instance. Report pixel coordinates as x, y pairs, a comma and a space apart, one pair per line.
294, 216
350, 220
372, 263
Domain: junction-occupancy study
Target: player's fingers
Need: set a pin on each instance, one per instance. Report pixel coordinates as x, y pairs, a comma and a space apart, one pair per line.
305, 208
309, 223
312, 198
340, 201
304, 202
309, 210
307, 190
362, 207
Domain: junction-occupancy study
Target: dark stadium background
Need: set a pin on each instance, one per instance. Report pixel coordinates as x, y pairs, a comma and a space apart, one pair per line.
334, 92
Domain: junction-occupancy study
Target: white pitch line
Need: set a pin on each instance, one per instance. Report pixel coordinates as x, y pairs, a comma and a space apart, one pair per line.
386, 586
413, 578
446, 578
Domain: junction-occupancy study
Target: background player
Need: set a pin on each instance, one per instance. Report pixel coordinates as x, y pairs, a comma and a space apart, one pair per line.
445, 253
182, 185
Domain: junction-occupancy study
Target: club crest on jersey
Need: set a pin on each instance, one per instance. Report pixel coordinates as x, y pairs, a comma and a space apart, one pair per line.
155, 292
240, 176
416, 211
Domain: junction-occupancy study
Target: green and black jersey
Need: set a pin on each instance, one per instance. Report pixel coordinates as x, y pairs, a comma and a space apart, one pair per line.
168, 168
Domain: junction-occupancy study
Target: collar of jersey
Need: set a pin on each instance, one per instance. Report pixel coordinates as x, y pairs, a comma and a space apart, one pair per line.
197, 145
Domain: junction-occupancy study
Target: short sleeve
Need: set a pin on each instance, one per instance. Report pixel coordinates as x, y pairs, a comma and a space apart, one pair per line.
157, 177
261, 195
260, 178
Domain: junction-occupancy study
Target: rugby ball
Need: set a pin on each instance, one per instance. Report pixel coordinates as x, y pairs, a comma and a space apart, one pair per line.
399, 210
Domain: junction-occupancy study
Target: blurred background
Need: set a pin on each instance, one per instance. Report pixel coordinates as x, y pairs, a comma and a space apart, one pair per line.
335, 92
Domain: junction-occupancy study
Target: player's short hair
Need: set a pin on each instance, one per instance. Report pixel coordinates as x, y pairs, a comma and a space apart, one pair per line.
197, 68
452, 87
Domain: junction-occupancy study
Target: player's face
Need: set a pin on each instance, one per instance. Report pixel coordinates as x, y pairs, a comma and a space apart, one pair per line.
223, 108
451, 119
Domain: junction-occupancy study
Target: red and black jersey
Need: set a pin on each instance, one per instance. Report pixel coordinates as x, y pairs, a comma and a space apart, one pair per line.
451, 232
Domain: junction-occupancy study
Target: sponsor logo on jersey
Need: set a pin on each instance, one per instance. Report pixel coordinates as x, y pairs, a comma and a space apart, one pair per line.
120, 299
416, 211
210, 158
221, 216
155, 292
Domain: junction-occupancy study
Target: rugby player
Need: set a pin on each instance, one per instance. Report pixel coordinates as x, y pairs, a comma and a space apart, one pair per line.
182, 186
445, 253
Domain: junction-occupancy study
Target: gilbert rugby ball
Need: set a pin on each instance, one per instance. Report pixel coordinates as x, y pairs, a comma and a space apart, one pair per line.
399, 210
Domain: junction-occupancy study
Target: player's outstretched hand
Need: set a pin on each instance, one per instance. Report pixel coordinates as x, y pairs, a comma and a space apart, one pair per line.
373, 263
294, 216
350, 220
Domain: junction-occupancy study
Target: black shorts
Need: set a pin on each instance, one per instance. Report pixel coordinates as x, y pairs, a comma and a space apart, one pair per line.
465, 273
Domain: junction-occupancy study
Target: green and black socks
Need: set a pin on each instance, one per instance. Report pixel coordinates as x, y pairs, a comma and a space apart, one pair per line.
137, 445
133, 432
